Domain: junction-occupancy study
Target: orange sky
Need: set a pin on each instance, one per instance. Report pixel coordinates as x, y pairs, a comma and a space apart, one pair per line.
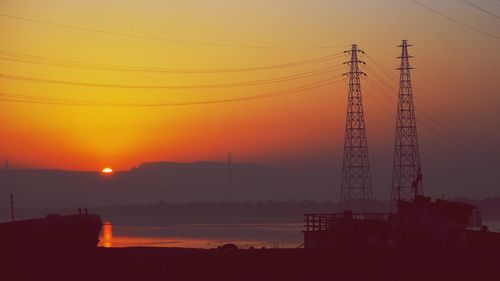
456, 72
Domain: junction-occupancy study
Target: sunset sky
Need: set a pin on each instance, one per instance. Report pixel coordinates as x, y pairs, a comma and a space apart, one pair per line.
456, 80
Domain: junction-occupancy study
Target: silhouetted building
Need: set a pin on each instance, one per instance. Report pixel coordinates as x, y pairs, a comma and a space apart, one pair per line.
420, 223
346, 230
424, 223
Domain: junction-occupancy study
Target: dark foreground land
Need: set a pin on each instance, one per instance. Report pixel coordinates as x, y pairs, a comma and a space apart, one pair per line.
272, 264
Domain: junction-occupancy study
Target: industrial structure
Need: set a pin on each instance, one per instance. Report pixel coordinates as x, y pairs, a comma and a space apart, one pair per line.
230, 193
356, 186
407, 172
413, 220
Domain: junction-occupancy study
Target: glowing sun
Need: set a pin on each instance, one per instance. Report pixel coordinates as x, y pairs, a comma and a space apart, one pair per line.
107, 170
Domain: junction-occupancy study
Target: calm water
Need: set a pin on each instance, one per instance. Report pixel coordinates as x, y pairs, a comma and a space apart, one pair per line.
210, 235
493, 226
203, 235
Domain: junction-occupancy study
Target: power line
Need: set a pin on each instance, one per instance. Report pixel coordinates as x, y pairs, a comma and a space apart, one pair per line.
426, 126
381, 67
71, 102
470, 4
109, 67
388, 75
444, 137
455, 20
432, 119
177, 87
384, 94
377, 101
382, 79
418, 98
427, 116
433, 110
147, 37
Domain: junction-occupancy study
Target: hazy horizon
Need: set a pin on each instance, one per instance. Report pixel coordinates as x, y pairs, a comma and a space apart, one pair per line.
188, 182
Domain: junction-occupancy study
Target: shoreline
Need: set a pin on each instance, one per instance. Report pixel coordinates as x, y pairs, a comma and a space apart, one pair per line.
146, 263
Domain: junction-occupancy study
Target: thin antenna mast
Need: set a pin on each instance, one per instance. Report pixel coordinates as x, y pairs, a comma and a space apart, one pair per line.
230, 191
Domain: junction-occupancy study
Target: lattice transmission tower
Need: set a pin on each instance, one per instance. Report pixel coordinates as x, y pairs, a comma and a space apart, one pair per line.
356, 186
230, 196
407, 172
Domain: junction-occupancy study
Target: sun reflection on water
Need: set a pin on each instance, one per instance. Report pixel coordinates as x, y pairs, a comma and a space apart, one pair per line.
202, 235
107, 235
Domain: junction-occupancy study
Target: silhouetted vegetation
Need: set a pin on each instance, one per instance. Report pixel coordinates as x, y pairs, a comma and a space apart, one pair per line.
291, 210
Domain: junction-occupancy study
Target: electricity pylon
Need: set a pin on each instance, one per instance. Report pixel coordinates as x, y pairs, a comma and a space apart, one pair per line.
407, 172
356, 186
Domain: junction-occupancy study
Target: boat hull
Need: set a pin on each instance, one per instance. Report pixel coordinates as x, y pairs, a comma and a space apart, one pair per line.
52, 232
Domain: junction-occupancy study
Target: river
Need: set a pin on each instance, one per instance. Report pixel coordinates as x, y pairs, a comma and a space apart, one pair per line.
202, 235
209, 235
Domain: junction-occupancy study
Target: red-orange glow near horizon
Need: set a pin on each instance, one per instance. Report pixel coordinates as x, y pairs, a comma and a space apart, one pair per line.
107, 235
80, 126
107, 170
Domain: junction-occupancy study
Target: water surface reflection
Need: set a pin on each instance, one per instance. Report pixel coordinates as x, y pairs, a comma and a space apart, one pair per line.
203, 235
106, 239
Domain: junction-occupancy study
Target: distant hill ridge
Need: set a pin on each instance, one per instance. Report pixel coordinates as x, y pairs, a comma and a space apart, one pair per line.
168, 164
147, 183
